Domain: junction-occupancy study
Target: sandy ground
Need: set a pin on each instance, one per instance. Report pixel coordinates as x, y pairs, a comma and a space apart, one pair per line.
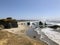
17, 36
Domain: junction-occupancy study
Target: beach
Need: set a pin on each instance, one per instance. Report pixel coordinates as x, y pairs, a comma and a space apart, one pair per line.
18, 36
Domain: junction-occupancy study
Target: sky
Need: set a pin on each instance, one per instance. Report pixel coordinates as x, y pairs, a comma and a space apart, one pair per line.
30, 9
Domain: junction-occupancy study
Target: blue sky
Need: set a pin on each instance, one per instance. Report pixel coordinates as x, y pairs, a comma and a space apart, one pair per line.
30, 9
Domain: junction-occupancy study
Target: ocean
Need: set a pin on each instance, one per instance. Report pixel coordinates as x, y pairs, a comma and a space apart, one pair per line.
38, 34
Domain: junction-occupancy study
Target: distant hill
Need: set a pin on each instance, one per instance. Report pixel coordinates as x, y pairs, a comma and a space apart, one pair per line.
26, 20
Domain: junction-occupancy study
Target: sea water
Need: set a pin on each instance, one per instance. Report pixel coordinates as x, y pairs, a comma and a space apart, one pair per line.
38, 34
